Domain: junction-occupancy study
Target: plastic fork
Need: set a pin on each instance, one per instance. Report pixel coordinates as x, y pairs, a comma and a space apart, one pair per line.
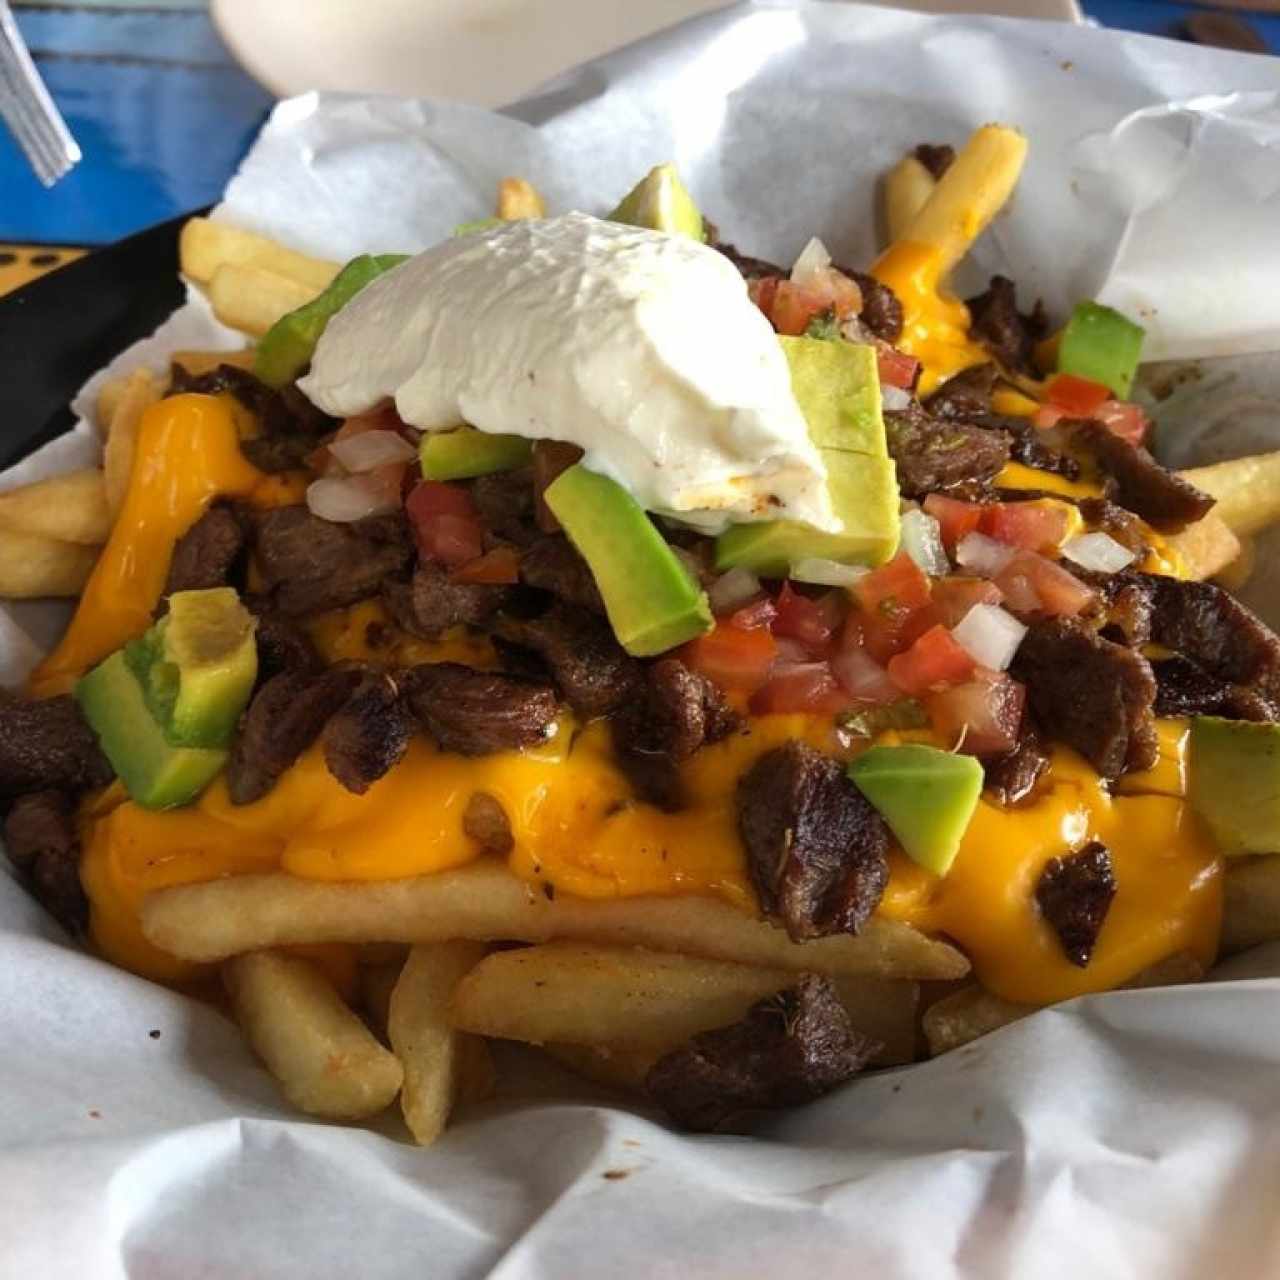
26, 107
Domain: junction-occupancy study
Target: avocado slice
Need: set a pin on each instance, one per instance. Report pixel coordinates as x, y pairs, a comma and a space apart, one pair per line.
652, 601
661, 202
1235, 782
287, 347
927, 796
837, 384
1101, 344
155, 773
466, 452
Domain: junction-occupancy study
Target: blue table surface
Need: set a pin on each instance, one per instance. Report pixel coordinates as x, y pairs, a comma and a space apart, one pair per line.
163, 113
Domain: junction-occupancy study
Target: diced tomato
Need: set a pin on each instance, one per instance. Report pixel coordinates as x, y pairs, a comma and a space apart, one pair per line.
953, 597
899, 587
794, 306
983, 715
732, 657
445, 523
759, 612
897, 369
435, 498
861, 676
762, 292
1048, 415
1032, 584
808, 621
1032, 525
936, 661
1123, 419
955, 518
1077, 397
498, 567
800, 687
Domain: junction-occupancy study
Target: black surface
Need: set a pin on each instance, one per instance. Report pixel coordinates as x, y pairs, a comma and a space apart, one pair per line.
60, 329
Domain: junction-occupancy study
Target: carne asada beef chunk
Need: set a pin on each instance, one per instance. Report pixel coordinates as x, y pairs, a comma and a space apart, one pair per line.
748, 267
551, 458
676, 714
207, 554
309, 564
790, 1049
1074, 894
505, 501
1124, 603
369, 733
881, 311
816, 849
1184, 689
1122, 525
485, 821
1027, 446
282, 645
554, 564
1141, 485
934, 455
284, 718
40, 839
1012, 777
1010, 336
936, 158
476, 713
965, 395
48, 743
592, 670
431, 602
1095, 696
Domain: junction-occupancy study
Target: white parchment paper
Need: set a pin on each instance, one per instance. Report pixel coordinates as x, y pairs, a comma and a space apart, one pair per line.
1129, 1135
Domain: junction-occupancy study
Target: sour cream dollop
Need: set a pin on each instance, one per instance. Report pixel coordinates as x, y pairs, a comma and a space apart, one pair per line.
641, 348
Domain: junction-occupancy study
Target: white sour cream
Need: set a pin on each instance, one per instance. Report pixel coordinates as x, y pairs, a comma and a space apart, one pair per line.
643, 349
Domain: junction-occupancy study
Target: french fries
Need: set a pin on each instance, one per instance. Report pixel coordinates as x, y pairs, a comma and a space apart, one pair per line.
1235, 576
1206, 547
907, 188
484, 901
1247, 491
251, 299
325, 1059
139, 393
32, 566
519, 199
71, 507
614, 1066
204, 246
435, 1055
1251, 902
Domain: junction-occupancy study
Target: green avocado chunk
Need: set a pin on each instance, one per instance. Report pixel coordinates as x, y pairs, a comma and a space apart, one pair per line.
466, 452
1102, 345
1235, 782
652, 601
661, 202
927, 796
287, 347
837, 385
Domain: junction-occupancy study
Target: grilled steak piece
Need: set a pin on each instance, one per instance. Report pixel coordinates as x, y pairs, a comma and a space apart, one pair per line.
505, 501
1095, 696
1122, 525
933, 455
881, 311
551, 458
309, 564
40, 839
1010, 335
48, 744
790, 1048
1184, 689
1125, 601
1027, 446
478, 712
816, 849
592, 670
485, 821
1074, 894
208, 553
750, 268
936, 158
369, 733
1012, 777
430, 602
284, 718
1161, 497
965, 395
282, 645
554, 564
677, 712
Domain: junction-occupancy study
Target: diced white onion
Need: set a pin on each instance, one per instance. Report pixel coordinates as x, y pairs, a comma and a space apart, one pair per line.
982, 555
371, 449
827, 573
1099, 552
861, 676
343, 499
894, 397
813, 259
922, 541
989, 635
732, 589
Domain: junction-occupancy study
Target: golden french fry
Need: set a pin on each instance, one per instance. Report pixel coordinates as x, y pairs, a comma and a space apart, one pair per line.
907, 187
324, 1058
618, 1067
376, 983
422, 1037
1247, 491
32, 566
484, 901
1251, 902
197, 363
71, 507
1206, 547
1236, 575
973, 190
519, 199
109, 395
204, 246
140, 393
252, 300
